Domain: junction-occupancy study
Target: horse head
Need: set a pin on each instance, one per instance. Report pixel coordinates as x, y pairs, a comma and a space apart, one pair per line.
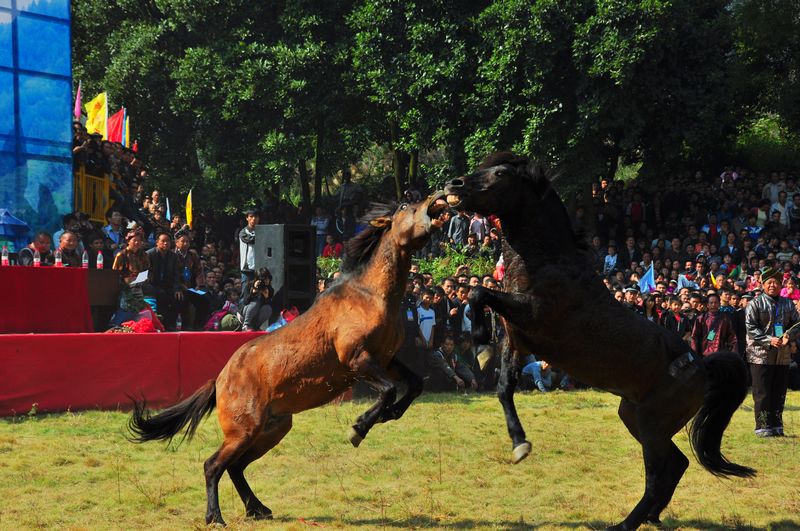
411, 223
499, 186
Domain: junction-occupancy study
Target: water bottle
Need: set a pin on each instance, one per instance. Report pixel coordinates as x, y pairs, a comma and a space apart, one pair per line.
37, 258
57, 256
178, 324
99, 260
5, 255
85, 260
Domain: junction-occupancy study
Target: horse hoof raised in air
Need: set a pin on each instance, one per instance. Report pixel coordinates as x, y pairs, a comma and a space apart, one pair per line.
354, 437
521, 452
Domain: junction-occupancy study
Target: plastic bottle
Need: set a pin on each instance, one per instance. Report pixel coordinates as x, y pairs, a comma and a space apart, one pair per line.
85, 260
5, 255
57, 256
37, 258
178, 324
99, 260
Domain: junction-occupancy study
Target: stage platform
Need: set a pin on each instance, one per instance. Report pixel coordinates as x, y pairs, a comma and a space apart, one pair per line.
60, 372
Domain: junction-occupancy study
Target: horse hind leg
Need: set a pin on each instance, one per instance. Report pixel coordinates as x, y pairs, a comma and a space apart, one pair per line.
676, 467
505, 393
415, 386
274, 431
232, 447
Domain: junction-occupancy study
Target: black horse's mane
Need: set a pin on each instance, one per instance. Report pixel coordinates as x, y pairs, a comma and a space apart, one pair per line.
359, 249
541, 176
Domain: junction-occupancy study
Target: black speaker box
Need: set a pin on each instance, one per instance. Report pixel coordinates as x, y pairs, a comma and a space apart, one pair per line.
289, 252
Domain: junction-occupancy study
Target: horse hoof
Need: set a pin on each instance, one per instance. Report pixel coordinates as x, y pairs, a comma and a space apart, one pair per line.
354, 437
521, 452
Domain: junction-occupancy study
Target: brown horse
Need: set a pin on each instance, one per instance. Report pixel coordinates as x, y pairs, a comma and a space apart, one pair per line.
557, 308
351, 333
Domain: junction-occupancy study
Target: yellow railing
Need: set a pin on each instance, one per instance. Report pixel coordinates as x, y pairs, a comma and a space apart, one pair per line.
91, 194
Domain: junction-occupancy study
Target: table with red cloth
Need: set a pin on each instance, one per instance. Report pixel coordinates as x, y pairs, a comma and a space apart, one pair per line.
60, 372
44, 300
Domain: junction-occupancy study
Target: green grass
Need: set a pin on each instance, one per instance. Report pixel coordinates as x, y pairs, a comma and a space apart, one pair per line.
444, 465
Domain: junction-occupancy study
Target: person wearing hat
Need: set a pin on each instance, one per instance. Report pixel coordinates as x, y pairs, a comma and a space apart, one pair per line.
768, 319
631, 293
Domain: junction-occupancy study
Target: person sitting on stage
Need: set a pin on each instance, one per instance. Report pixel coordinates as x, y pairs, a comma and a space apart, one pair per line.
41, 242
131, 261
97, 245
68, 245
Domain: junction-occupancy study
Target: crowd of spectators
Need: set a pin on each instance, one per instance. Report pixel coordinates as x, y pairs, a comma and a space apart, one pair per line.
686, 252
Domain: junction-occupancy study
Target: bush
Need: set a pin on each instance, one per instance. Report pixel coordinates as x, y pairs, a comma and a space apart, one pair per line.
441, 267
766, 144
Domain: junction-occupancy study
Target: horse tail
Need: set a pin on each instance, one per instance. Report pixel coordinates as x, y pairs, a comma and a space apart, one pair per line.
143, 426
727, 389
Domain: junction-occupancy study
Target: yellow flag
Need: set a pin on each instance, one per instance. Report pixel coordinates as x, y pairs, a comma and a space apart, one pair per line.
714, 281
97, 112
189, 209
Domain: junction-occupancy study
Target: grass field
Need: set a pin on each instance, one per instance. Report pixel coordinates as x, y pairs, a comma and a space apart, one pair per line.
445, 465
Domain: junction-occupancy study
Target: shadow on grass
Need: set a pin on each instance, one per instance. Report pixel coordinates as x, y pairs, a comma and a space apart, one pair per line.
422, 521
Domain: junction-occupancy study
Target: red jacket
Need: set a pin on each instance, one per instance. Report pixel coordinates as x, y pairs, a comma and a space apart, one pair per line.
723, 338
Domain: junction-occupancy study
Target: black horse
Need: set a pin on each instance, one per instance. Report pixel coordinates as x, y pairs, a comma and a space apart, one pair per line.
557, 308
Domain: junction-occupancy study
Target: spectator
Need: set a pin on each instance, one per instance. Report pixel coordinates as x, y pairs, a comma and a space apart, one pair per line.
165, 280
426, 316
445, 362
458, 229
332, 249
256, 309
68, 245
113, 230
247, 252
768, 319
320, 221
41, 242
97, 246
713, 331
131, 261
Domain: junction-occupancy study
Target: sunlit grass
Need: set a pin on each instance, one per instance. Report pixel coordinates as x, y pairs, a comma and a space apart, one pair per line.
446, 464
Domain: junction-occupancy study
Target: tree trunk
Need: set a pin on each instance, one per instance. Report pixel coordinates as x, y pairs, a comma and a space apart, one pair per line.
306, 191
318, 170
413, 168
397, 160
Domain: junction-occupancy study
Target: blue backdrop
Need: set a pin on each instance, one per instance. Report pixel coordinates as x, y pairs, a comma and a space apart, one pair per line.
35, 111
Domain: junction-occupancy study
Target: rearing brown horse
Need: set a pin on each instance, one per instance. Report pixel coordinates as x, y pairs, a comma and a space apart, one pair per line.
351, 333
557, 308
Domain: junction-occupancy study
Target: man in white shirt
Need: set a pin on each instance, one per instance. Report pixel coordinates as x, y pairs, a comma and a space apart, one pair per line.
247, 252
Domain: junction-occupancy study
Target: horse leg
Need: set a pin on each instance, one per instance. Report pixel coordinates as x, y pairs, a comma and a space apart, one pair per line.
678, 463
516, 308
505, 393
275, 430
415, 385
232, 447
377, 379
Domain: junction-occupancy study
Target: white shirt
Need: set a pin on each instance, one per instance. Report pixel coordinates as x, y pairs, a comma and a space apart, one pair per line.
426, 319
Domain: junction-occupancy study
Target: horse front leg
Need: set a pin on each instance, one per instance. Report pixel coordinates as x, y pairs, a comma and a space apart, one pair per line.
375, 376
516, 308
414, 384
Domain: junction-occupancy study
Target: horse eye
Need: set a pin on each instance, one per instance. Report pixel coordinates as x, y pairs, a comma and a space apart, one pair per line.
403, 206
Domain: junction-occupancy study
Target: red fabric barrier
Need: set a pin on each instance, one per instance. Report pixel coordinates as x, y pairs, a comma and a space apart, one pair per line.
44, 300
97, 371
201, 359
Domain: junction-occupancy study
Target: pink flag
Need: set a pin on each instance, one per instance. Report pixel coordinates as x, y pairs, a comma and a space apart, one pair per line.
77, 111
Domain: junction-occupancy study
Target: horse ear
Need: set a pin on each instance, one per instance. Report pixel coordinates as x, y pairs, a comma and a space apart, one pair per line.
381, 222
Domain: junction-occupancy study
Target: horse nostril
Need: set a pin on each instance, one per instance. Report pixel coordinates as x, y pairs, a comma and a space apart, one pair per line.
457, 183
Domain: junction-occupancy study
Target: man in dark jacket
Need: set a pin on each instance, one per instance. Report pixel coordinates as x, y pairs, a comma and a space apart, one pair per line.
164, 276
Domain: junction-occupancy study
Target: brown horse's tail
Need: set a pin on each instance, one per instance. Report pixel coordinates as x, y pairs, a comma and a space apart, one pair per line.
727, 375
144, 427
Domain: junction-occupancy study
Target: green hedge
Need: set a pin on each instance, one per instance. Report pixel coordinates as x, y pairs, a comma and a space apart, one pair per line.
441, 267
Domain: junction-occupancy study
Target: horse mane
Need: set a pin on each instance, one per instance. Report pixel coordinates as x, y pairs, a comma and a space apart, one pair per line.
541, 176
359, 249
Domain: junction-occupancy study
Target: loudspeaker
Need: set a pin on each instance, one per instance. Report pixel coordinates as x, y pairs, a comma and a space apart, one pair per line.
289, 252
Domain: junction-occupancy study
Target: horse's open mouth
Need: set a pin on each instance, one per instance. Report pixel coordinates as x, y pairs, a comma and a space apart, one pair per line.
453, 200
436, 204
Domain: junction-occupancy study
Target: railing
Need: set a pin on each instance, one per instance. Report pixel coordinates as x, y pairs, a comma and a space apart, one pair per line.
91, 194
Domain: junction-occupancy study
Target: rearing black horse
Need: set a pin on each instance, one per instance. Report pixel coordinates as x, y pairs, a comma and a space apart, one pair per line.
557, 308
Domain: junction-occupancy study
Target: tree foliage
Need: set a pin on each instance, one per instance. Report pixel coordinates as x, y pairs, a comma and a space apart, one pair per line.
240, 98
